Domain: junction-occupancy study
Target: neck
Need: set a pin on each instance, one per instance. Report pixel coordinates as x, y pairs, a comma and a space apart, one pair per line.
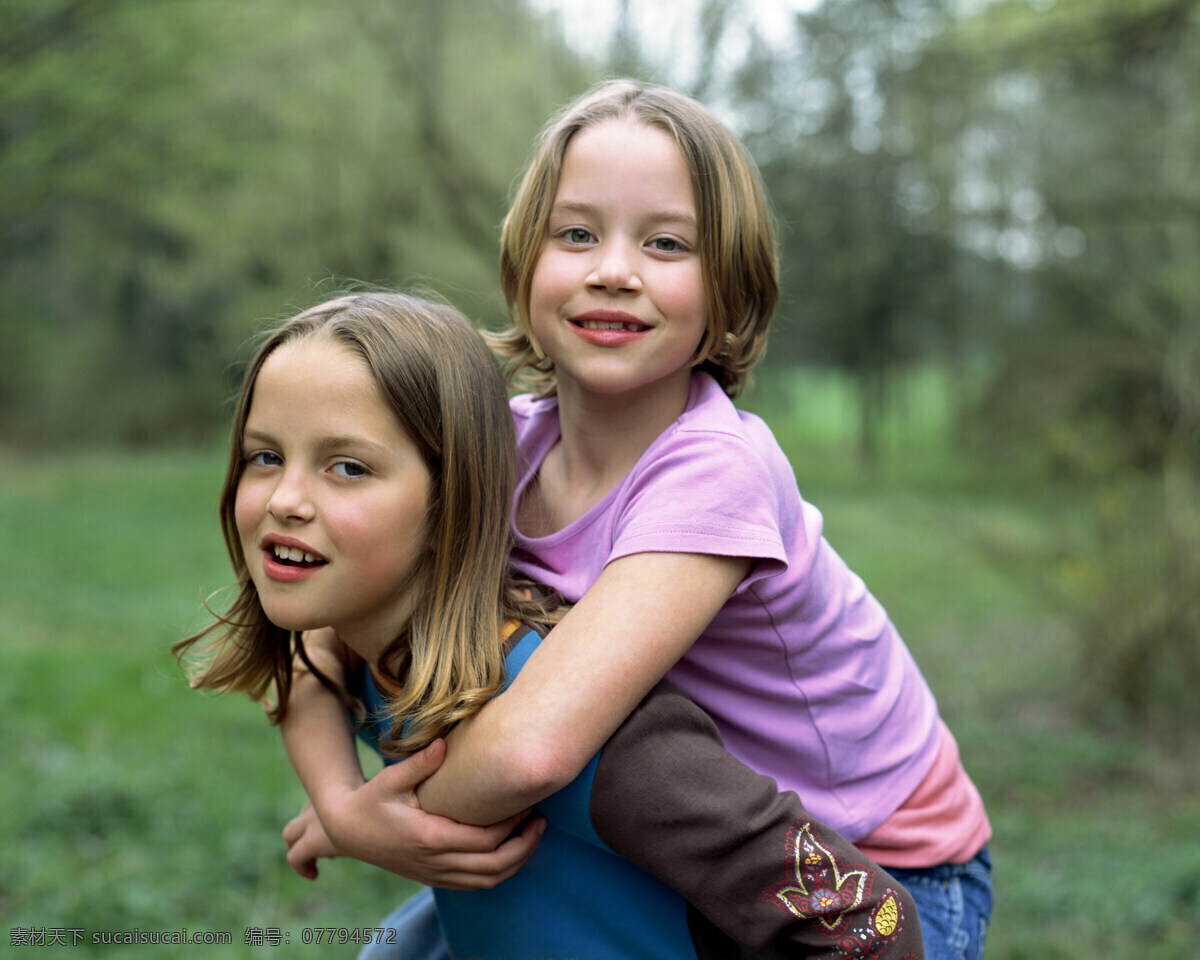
603, 436
370, 639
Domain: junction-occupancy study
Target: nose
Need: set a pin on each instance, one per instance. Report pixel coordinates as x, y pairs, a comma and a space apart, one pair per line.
291, 498
615, 268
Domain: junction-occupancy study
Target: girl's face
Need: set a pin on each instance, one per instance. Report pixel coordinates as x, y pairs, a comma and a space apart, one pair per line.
617, 296
331, 504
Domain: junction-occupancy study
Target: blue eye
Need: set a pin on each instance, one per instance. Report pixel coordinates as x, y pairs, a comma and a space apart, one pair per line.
349, 469
265, 458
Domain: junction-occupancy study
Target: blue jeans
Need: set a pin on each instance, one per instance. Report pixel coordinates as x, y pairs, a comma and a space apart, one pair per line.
954, 903
415, 931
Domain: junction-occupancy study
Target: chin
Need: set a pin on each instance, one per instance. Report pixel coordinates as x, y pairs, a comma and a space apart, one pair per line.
290, 620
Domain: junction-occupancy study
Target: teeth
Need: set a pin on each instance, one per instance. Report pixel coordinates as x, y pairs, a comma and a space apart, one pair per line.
294, 554
610, 325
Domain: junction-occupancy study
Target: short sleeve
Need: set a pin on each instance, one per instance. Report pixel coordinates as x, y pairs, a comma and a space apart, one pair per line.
703, 492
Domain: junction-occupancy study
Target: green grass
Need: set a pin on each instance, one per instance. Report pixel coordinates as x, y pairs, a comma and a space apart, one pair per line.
131, 802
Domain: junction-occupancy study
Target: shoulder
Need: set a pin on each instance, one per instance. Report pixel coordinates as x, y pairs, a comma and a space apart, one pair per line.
528, 409
710, 413
710, 484
535, 423
715, 482
714, 439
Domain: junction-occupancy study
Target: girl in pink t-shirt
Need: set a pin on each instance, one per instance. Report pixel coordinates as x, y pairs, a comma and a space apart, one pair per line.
639, 265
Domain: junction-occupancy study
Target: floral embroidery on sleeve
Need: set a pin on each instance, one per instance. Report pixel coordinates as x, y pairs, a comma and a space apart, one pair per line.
833, 896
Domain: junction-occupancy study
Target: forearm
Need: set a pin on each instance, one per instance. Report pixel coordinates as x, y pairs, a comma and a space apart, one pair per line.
535, 737
319, 740
588, 674
317, 732
490, 773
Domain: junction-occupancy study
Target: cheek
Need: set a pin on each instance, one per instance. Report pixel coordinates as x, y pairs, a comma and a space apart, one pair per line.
247, 511
688, 292
548, 284
692, 302
385, 538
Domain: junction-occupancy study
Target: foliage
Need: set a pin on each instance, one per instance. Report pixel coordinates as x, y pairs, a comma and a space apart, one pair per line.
176, 170
850, 142
1099, 358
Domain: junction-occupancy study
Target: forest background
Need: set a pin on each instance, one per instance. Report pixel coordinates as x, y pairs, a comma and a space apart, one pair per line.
986, 372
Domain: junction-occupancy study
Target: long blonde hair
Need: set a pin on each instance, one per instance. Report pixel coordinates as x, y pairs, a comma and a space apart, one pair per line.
737, 242
439, 379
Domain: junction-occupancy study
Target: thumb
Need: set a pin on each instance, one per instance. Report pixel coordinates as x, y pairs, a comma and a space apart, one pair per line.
407, 776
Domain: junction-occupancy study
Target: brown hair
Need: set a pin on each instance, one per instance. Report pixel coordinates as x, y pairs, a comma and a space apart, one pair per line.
737, 245
438, 378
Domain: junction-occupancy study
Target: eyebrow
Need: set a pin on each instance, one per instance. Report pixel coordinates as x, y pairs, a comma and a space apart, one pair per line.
248, 434
324, 444
567, 207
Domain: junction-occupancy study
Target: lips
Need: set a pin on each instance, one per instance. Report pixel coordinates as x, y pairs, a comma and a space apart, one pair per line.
608, 328
288, 560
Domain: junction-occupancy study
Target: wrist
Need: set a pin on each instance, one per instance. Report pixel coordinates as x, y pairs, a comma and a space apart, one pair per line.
333, 799
334, 804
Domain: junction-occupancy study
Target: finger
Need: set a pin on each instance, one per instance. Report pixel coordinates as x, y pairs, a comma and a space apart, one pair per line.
442, 836
404, 778
308, 869
515, 851
293, 831
301, 864
295, 827
481, 871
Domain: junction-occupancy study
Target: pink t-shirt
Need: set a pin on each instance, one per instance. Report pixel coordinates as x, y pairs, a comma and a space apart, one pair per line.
942, 822
802, 670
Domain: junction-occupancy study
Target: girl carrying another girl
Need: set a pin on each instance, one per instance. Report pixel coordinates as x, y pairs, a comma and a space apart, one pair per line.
639, 266
367, 491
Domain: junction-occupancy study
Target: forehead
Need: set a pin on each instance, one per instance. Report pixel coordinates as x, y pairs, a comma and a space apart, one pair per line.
309, 355
318, 379
625, 132
627, 159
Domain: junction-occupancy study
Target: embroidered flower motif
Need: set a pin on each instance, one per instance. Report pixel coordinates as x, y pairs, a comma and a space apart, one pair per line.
822, 889
823, 901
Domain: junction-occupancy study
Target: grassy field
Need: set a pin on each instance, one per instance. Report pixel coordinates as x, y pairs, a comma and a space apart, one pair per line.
132, 803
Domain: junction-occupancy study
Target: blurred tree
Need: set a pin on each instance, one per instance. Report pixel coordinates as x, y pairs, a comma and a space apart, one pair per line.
175, 169
1083, 173
842, 126
90, 239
